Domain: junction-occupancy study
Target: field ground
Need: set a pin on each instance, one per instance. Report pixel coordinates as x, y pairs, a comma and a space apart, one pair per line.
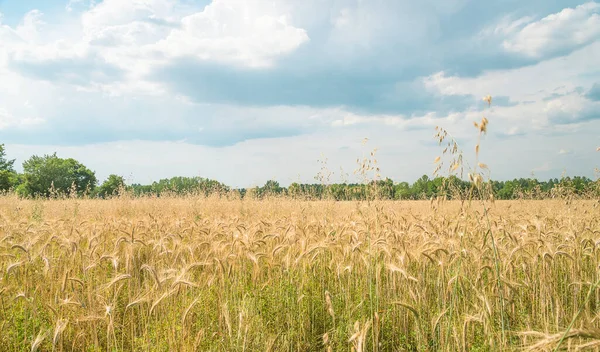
193, 274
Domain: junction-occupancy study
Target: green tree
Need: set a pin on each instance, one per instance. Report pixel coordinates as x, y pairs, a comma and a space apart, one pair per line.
422, 188
383, 189
8, 176
111, 186
5, 164
139, 189
8, 180
43, 174
402, 191
294, 190
270, 188
188, 185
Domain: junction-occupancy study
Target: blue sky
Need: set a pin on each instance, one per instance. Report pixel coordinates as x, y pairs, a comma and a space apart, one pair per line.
246, 91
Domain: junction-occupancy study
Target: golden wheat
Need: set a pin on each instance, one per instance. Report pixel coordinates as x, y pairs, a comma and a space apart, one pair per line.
187, 274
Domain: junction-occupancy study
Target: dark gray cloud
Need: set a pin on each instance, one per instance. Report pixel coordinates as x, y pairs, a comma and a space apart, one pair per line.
80, 71
364, 91
81, 135
555, 95
79, 123
565, 118
594, 92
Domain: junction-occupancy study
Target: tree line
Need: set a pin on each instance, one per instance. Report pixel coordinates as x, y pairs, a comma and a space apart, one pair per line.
51, 176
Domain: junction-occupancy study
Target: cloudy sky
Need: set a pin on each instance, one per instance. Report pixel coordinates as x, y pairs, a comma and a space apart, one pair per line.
249, 90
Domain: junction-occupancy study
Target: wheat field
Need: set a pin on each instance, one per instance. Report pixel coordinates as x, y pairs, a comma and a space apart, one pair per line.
208, 274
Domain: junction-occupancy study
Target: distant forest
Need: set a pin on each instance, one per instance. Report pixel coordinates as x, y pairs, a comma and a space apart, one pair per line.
51, 176
423, 188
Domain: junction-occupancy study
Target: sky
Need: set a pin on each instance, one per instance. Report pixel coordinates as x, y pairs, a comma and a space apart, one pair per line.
244, 91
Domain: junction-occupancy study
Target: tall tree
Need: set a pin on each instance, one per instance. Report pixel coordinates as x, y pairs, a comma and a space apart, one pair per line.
8, 176
270, 188
111, 186
8, 180
42, 174
5, 164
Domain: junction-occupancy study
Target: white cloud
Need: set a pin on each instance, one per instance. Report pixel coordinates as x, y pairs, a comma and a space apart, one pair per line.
361, 26
30, 42
505, 27
118, 12
553, 34
349, 119
456, 121
29, 29
137, 35
548, 95
513, 131
578, 69
572, 109
544, 167
7, 120
245, 33
235, 32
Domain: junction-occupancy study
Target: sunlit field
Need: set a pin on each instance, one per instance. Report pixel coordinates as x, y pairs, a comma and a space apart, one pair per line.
191, 274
